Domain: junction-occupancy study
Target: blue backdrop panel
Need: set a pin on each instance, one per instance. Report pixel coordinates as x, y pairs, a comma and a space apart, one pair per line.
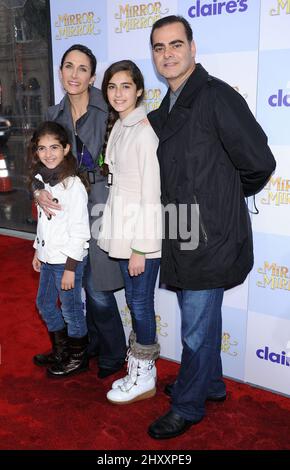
273, 105
223, 26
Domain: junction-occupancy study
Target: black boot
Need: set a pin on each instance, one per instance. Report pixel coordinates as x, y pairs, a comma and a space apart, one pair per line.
59, 341
76, 362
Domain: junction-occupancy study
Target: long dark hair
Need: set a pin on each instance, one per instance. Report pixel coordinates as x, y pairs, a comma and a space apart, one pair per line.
84, 50
68, 166
138, 79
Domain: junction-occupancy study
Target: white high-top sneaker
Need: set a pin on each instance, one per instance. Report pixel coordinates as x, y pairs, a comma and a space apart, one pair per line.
117, 383
139, 385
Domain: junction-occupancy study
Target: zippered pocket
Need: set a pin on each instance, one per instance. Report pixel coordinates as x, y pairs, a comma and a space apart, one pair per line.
201, 223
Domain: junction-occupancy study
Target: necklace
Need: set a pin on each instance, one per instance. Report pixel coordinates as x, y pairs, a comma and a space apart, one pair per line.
82, 154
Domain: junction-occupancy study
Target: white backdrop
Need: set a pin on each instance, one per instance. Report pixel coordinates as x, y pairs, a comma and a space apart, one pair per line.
247, 44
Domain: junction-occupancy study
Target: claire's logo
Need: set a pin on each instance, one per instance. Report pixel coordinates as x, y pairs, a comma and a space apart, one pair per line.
281, 5
215, 7
278, 358
281, 98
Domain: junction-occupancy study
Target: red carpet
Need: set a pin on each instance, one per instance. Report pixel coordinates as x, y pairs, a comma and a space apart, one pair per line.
39, 413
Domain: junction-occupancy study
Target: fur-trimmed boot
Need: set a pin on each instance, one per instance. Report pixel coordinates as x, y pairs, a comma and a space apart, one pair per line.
76, 362
130, 363
132, 340
140, 383
59, 341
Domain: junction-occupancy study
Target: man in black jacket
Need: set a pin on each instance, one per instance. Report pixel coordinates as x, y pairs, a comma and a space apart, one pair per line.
212, 154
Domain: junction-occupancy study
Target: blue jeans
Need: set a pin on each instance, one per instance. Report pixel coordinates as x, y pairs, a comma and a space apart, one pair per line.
106, 333
70, 313
139, 291
200, 373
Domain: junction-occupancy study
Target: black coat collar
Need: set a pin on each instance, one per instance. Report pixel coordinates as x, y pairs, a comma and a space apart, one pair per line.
182, 108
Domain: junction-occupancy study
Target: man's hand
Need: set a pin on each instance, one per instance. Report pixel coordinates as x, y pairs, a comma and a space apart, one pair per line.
44, 199
136, 264
68, 280
36, 263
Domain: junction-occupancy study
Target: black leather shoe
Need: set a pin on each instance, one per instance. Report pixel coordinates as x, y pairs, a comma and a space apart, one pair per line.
168, 389
106, 372
169, 425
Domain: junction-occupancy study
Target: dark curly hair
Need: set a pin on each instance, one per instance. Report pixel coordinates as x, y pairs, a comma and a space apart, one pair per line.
68, 166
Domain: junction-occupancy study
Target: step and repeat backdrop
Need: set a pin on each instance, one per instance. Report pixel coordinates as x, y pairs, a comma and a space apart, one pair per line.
247, 44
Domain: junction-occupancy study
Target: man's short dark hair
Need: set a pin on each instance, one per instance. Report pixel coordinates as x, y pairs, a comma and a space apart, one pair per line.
170, 20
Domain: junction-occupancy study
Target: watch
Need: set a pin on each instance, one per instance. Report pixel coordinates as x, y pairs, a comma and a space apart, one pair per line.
36, 193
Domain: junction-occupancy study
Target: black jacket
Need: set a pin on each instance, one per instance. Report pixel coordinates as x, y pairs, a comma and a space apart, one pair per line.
212, 152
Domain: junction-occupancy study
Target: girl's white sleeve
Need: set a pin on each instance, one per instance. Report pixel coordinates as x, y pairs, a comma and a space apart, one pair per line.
78, 221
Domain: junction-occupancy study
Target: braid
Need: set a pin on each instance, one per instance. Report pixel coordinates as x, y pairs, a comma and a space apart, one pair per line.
112, 118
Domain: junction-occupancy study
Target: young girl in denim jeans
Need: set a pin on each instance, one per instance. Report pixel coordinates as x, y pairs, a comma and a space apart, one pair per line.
60, 251
131, 225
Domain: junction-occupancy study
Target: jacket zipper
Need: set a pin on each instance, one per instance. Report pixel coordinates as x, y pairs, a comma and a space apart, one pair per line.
201, 223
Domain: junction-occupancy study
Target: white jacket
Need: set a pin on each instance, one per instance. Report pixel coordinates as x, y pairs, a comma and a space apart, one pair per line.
132, 215
67, 233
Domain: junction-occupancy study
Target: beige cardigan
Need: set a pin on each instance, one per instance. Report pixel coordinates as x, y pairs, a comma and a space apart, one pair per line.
132, 216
